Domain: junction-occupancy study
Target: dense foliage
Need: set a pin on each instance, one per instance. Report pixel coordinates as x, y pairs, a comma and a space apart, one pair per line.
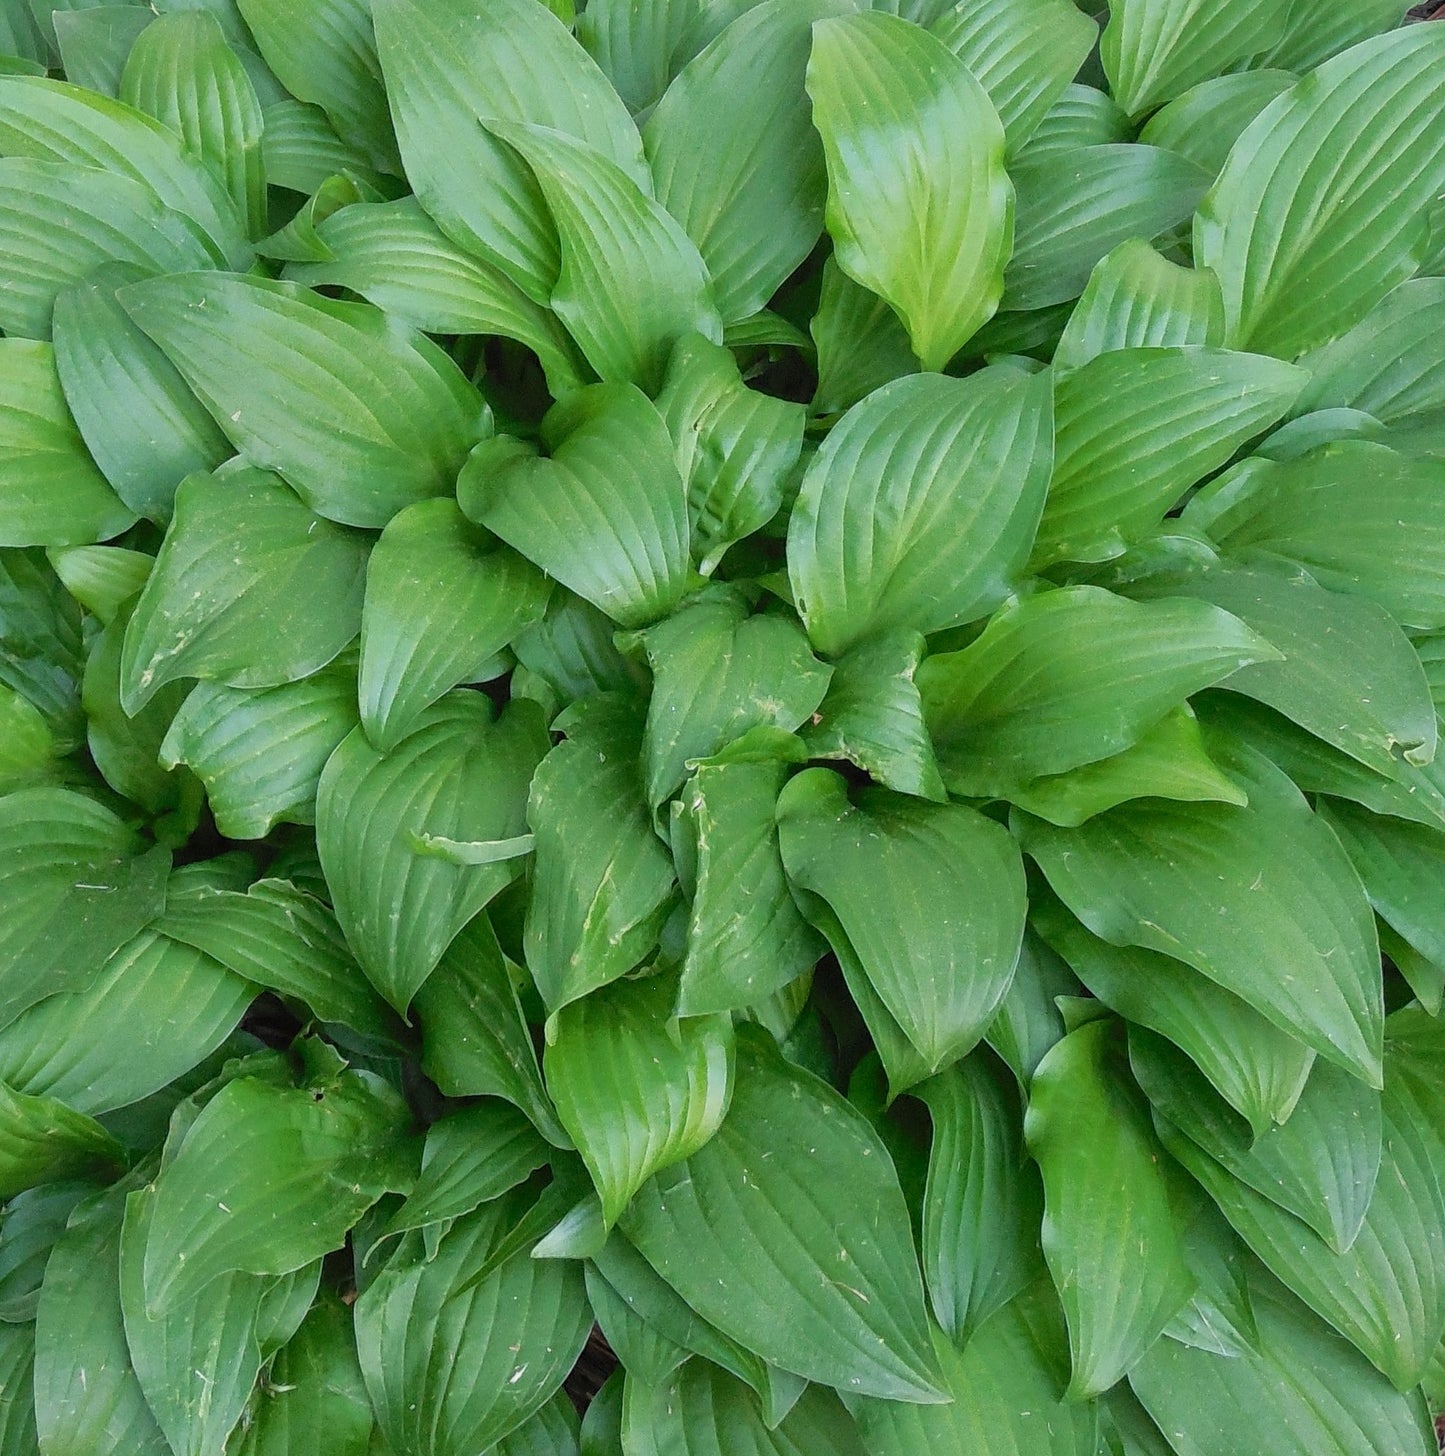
763, 674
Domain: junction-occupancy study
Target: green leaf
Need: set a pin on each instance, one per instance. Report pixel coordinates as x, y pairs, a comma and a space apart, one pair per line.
845, 1307
606, 514
178, 1005
929, 897
631, 282
1109, 1234
739, 950
52, 121
44, 1141
395, 256
872, 717
102, 579
1137, 300
143, 426
87, 1399
441, 601
268, 1179
34, 1220
40, 632
448, 69
471, 1157
75, 885
278, 936
95, 42
1205, 122
54, 495
254, 609
603, 882
474, 1039
1023, 55
1384, 542
735, 446
1262, 900
571, 654
1006, 1395
260, 753
736, 159
1306, 1391
1134, 428
361, 414
1219, 1317
718, 674
462, 775
452, 1362
1302, 250
1083, 116
637, 45
182, 72
983, 1204
861, 342
1258, 1069
553, 1430
637, 1090
1077, 203
17, 1390
314, 1403
326, 54
919, 509
1070, 677
302, 152
919, 205
1313, 34
1154, 50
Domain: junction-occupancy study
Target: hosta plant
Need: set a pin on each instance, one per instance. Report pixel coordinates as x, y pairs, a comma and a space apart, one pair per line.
751, 686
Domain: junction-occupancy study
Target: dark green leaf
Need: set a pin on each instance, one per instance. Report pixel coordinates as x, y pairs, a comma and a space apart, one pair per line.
1205, 122
44, 1141
861, 342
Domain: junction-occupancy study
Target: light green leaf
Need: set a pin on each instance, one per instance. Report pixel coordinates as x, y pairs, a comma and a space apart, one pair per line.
1134, 428
735, 155
1314, 34
182, 72
325, 53
1258, 1069
717, 674
1154, 50
441, 600
1303, 250
260, 753
30, 754
302, 152
95, 42
929, 897
602, 881
983, 1203
140, 422
1262, 900
44, 1141
1071, 677
54, 495
606, 514
861, 342
460, 774
919, 205
395, 256
795, 1168
1306, 1391
1023, 55
1205, 122
1109, 1234
53, 121
919, 509
279, 937
637, 1090
177, 1004
268, 1179
1083, 116
448, 68
75, 885
361, 414
1077, 203
735, 446
452, 1362
631, 281
1136, 300
254, 609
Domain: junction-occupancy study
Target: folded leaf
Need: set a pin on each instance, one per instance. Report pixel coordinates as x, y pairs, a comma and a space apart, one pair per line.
254, 609
919, 509
461, 774
44, 1141
1070, 677
919, 205
359, 412
1302, 249
929, 897
845, 1308
606, 514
